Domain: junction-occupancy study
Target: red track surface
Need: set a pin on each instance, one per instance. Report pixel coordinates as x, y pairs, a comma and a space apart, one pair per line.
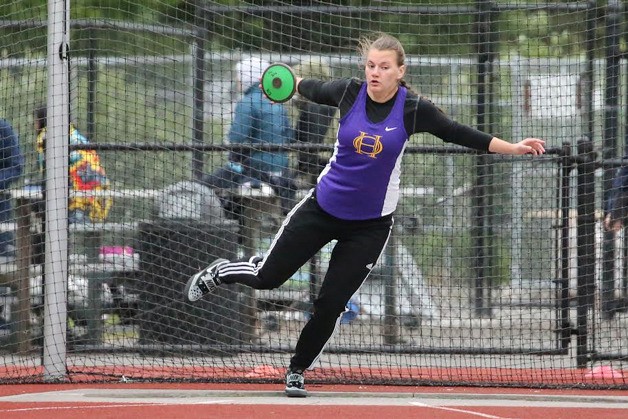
539, 377
135, 409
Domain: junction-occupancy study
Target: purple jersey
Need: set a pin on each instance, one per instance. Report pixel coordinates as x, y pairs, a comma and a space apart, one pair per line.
361, 180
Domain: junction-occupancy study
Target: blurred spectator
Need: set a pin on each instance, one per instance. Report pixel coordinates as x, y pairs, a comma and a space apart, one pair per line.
11, 168
616, 205
256, 121
86, 174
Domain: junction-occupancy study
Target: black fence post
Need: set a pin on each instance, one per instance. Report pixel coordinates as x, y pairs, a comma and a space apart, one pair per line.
92, 79
391, 326
586, 85
481, 230
563, 324
585, 246
203, 18
609, 150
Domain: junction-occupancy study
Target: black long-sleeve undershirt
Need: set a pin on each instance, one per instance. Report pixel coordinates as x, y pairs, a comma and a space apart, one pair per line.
420, 115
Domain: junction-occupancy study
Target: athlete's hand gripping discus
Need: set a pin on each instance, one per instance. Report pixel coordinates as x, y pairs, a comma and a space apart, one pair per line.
279, 82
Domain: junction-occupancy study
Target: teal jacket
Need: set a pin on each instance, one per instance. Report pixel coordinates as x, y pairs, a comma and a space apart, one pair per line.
258, 121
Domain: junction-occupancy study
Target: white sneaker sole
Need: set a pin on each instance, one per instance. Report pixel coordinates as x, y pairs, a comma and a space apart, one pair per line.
192, 291
296, 392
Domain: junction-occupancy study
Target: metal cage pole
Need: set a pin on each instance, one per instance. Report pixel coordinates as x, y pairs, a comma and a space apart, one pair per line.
56, 191
586, 247
482, 200
609, 149
198, 101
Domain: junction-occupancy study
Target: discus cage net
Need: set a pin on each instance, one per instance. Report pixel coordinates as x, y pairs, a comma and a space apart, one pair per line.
498, 272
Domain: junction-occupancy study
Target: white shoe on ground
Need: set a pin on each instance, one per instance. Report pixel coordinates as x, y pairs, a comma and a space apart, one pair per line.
295, 384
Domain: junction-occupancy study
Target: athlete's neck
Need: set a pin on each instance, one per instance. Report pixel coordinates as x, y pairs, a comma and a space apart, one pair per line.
382, 97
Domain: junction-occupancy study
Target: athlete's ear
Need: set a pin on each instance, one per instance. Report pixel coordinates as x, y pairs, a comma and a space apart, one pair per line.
402, 72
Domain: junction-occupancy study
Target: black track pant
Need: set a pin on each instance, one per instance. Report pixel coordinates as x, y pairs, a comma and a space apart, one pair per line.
305, 231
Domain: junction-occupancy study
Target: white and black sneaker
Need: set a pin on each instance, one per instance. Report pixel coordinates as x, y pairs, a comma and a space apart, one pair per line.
295, 384
204, 282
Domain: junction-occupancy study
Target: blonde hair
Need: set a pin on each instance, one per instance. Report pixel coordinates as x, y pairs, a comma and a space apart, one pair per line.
383, 42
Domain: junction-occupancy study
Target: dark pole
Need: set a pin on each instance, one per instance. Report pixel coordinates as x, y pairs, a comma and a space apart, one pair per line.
587, 76
390, 331
562, 292
92, 78
609, 149
622, 304
481, 199
585, 231
198, 102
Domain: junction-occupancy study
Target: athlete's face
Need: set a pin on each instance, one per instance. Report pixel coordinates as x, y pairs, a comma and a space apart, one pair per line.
383, 74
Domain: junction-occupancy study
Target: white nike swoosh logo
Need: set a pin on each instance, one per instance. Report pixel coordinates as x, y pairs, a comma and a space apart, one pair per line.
390, 128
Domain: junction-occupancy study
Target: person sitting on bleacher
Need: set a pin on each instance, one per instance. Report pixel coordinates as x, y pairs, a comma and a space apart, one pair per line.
86, 174
616, 204
11, 167
256, 121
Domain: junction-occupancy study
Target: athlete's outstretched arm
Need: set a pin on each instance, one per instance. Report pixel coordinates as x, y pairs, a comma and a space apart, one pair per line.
533, 146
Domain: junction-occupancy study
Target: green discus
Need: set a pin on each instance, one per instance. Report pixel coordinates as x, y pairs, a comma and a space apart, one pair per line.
279, 82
